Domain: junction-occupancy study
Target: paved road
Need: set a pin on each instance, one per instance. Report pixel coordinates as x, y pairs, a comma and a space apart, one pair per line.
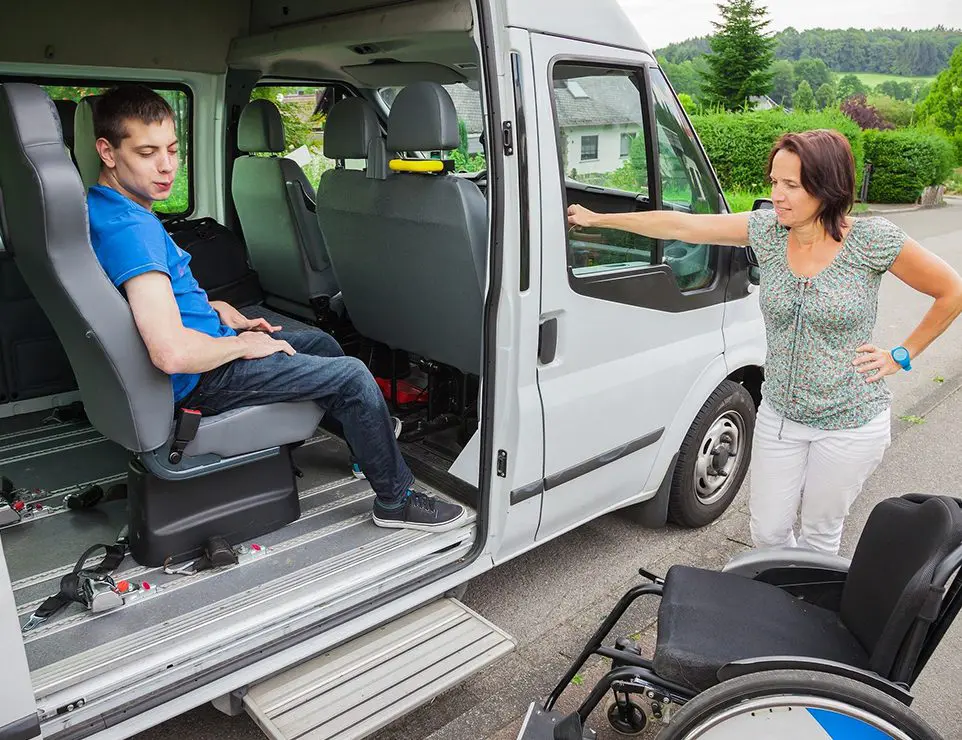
552, 598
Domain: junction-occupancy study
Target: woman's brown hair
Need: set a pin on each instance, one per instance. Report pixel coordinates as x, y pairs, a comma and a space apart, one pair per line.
828, 173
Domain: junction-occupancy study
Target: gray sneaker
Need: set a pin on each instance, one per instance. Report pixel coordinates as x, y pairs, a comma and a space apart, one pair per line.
421, 511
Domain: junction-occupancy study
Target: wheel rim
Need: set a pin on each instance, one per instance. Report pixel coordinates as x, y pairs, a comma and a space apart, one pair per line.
766, 708
719, 456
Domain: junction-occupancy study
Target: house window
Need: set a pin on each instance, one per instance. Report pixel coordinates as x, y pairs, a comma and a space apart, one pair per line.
626, 140
589, 148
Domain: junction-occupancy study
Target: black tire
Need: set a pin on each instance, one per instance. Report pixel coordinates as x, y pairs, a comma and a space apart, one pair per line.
730, 693
687, 505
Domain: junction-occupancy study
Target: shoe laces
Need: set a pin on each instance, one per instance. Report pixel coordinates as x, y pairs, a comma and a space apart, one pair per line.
422, 501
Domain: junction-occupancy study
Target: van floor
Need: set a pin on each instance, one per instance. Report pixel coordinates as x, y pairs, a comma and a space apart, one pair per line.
331, 559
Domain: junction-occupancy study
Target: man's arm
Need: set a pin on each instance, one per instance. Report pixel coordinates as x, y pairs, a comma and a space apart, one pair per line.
173, 347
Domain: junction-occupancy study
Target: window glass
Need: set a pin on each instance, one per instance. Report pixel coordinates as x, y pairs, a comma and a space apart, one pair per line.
602, 143
304, 112
180, 199
470, 154
686, 182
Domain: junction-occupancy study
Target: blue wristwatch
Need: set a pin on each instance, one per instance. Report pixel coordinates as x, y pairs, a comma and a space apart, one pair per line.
901, 356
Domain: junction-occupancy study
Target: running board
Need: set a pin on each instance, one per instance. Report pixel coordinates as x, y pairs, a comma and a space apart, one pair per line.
363, 685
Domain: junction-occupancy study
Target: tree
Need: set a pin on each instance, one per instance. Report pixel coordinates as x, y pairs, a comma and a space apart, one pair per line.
741, 55
865, 115
943, 105
804, 98
815, 71
463, 138
825, 96
899, 113
851, 85
783, 82
896, 89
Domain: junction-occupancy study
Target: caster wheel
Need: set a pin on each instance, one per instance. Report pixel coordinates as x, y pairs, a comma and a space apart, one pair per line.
627, 719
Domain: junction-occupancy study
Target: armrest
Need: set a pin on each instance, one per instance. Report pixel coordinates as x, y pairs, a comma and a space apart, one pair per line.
789, 662
751, 564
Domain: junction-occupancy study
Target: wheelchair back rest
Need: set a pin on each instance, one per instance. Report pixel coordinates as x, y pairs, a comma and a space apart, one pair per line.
45, 216
890, 582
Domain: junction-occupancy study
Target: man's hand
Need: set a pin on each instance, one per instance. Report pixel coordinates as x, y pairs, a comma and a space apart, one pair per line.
580, 216
238, 322
258, 345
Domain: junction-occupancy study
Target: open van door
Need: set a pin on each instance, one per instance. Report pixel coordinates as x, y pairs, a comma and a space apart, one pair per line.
628, 324
18, 712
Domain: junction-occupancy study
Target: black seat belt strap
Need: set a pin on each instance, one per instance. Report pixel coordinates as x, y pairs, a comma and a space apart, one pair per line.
188, 422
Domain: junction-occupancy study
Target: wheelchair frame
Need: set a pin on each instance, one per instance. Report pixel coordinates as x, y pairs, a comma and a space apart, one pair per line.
814, 578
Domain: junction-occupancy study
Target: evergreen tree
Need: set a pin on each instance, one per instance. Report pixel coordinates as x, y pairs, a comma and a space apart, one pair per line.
825, 96
804, 98
741, 58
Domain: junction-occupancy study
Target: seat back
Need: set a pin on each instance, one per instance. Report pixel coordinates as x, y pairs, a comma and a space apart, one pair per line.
346, 202
45, 218
274, 202
414, 267
889, 587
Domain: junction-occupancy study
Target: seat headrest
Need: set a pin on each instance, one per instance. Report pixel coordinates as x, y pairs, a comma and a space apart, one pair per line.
260, 128
66, 110
351, 126
85, 142
423, 118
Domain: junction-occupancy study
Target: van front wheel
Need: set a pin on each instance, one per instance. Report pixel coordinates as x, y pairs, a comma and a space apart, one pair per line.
713, 458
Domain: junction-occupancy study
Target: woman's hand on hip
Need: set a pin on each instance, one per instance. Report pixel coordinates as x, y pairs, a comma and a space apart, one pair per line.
879, 362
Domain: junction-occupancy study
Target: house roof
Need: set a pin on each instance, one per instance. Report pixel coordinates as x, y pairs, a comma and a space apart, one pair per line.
586, 101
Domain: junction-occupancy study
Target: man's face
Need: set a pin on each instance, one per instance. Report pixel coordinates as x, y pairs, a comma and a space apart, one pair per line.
143, 167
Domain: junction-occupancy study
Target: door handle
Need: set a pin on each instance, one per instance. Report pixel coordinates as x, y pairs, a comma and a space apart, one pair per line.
548, 341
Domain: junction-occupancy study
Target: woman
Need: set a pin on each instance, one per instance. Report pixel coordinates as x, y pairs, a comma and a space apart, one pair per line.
824, 421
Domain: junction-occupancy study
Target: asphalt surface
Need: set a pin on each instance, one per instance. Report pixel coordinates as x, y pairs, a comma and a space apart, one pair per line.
551, 599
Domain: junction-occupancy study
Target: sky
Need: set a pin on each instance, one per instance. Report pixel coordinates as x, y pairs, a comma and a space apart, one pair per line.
663, 22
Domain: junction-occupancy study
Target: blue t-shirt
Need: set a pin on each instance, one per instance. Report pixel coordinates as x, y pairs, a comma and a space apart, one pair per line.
129, 240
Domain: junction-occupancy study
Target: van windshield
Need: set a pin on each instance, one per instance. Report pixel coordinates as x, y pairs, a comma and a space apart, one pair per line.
469, 156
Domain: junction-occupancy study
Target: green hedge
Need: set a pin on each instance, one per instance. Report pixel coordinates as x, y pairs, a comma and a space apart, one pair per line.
738, 144
905, 162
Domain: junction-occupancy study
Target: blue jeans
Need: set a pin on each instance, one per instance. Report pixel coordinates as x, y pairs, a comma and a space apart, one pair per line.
320, 372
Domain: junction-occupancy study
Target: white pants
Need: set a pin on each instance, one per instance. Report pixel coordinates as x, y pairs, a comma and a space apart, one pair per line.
823, 470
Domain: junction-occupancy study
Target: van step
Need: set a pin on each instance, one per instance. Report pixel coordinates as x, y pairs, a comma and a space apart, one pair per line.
365, 684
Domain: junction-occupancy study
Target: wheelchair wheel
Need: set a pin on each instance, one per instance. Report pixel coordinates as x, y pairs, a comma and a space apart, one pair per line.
795, 704
625, 717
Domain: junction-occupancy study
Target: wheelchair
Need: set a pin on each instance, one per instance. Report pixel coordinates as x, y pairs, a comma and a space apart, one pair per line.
783, 643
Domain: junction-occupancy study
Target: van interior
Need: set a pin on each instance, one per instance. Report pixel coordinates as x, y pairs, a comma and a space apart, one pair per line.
366, 228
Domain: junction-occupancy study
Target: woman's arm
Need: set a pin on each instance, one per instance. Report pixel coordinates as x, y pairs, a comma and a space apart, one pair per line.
726, 229
927, 273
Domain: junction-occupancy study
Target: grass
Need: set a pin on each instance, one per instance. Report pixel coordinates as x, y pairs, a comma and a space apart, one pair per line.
876, 78
742, 200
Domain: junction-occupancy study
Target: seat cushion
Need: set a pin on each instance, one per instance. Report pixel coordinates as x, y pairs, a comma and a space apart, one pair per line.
255, 428
708, 619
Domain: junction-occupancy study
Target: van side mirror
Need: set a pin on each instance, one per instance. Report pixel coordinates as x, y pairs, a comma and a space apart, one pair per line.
754, 274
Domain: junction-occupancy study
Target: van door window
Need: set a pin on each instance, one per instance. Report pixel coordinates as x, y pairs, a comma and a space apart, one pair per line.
686, 184
601, 138
180, 201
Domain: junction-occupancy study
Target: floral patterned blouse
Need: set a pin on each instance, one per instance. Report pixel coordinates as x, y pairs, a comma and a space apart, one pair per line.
813, 325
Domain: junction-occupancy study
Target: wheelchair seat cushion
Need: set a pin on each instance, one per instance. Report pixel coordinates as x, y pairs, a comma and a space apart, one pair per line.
708, 619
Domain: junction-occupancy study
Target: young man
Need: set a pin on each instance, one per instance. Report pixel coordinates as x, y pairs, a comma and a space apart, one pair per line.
217, 358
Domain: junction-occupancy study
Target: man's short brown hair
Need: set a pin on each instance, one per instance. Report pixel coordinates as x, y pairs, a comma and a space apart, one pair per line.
127, 102
828, 173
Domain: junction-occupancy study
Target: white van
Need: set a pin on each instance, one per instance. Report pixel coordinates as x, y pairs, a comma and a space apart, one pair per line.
543, 376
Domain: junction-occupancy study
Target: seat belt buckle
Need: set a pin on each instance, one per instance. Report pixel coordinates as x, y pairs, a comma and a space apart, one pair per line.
99, 592
188, 422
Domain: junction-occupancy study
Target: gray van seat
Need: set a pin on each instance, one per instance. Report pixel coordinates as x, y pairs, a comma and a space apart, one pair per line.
126, 398
274, 202
409, 250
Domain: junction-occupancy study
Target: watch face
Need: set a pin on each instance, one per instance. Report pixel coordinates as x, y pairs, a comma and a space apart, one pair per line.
900, 354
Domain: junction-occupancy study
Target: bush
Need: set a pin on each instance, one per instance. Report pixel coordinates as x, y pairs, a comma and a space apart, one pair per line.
905, 162
738, 144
